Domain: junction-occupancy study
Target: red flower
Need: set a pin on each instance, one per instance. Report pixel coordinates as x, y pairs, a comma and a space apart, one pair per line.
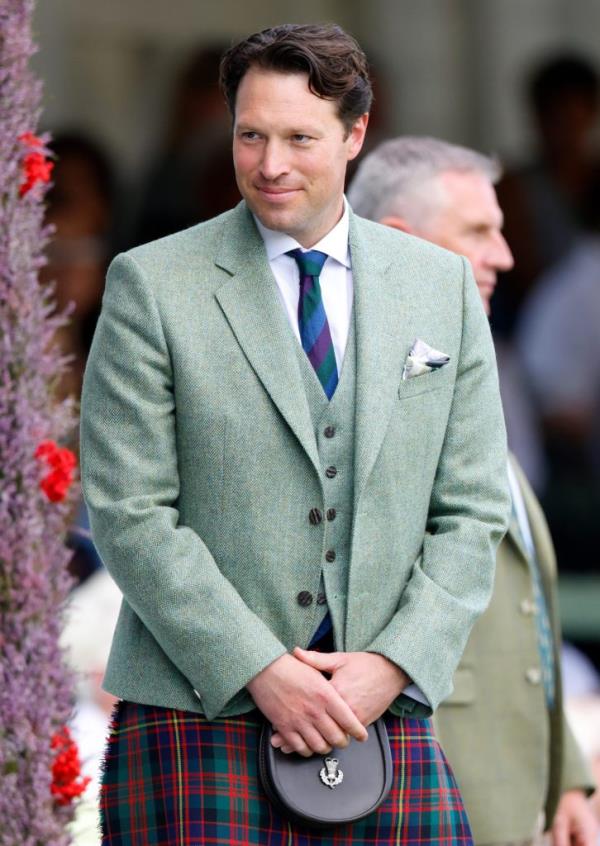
36, 167
62, 463
67, 781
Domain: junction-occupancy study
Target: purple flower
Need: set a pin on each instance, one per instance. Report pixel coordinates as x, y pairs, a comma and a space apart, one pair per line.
35, 686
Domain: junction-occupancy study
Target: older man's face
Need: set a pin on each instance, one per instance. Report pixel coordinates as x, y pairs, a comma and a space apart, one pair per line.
470, 223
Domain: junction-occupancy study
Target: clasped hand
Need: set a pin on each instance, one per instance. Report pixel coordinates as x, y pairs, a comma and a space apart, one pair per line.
311, 713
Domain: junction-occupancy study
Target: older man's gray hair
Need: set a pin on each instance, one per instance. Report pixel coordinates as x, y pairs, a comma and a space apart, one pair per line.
398, 177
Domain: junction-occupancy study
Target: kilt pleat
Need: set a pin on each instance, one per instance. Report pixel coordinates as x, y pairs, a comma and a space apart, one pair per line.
173, 778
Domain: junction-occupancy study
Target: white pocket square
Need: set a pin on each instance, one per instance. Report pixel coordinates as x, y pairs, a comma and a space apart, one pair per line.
423, 359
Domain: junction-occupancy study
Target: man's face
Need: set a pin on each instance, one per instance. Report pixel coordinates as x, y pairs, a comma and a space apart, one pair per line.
290, 152
470, 223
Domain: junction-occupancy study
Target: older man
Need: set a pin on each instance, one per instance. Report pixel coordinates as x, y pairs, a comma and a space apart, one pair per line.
503, 727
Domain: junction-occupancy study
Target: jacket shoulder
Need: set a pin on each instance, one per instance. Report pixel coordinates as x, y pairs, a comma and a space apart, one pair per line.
393, 242
197, 243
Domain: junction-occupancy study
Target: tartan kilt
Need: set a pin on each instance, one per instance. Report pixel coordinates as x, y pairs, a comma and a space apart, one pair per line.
173, 778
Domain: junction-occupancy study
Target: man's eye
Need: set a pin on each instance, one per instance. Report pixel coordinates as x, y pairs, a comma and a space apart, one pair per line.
301, 139
250, 136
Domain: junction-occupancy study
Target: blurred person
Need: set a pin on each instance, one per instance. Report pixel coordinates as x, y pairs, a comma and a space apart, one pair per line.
192, 178
80, 208
503, 727
219, 435
550, 202
559, 345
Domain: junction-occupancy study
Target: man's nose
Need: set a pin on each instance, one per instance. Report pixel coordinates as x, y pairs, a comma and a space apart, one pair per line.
500, 256
274, 161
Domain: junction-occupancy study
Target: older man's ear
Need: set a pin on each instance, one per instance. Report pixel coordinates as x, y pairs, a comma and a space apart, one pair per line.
397, 223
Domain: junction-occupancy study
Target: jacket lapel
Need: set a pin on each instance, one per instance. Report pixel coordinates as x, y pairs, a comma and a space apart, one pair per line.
250, 302
382, 341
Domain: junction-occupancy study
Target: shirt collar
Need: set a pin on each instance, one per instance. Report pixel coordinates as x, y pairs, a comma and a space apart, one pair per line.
335, 243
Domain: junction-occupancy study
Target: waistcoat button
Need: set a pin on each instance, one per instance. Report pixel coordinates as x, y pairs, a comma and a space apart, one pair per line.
330, 555
329, 431
533, 675
321, 599
314, 516
527, 607
331, 513
305, 598
331, 472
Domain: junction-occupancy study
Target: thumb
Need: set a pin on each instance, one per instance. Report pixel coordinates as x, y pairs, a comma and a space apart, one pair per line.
326, 662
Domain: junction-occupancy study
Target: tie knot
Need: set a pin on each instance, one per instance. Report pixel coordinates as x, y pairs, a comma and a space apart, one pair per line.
310, 263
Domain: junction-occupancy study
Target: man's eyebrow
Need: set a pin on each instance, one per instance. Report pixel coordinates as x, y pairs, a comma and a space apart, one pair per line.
245, 126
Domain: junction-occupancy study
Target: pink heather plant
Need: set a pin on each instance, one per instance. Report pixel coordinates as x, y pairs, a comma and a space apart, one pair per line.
35, 687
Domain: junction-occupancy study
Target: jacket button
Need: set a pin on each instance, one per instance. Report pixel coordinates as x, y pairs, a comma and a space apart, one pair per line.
314, 516
331, 472
331, 513
321, 599
533, 675
330, 555
329, 431
527, 607
305, 598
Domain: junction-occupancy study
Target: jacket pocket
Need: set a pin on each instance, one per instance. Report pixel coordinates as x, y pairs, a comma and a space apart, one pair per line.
434, 381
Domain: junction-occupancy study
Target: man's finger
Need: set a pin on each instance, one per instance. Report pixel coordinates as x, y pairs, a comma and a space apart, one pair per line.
294, 742
346, 719
326, 662
587, 833
315, 741
560, 831
332, 733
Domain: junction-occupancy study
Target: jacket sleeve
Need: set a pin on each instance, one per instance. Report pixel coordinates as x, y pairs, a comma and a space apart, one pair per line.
452, 580
131, 486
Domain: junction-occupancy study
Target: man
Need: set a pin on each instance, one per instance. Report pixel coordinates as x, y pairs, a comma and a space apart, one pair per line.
252, 496
503, 727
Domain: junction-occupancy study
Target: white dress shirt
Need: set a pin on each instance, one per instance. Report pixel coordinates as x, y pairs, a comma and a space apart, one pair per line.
336, 291
521, 512
335, 279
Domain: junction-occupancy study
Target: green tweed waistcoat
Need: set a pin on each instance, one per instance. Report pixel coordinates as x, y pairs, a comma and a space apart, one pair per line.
336, 454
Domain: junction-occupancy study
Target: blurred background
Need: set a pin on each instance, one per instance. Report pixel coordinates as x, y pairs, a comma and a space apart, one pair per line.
142, 142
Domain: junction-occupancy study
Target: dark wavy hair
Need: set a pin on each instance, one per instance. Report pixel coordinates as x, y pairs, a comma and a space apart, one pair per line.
336, 66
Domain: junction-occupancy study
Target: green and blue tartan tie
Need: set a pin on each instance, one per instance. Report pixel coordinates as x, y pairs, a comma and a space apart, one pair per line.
312, 320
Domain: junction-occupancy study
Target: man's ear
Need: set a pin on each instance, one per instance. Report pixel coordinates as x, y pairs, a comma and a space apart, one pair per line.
397, 223
356, 136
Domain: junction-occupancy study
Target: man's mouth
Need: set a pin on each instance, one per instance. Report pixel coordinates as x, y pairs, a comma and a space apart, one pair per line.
276, 194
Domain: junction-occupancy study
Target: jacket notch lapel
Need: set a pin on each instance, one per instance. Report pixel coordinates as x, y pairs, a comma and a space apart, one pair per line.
382, 340
251, 305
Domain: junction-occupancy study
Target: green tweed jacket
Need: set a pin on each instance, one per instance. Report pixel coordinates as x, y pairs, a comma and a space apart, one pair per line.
200, 466
512, 757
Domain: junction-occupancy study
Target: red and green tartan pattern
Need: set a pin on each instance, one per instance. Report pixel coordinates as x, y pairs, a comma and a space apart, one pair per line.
172, 778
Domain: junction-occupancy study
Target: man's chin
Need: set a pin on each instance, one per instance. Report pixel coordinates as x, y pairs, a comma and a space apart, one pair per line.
486, 292
279, 220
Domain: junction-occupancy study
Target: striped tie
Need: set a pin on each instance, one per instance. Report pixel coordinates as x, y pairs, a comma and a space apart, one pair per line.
312, 320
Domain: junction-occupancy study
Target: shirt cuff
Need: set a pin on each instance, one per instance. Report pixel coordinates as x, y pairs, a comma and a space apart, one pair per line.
415, 692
